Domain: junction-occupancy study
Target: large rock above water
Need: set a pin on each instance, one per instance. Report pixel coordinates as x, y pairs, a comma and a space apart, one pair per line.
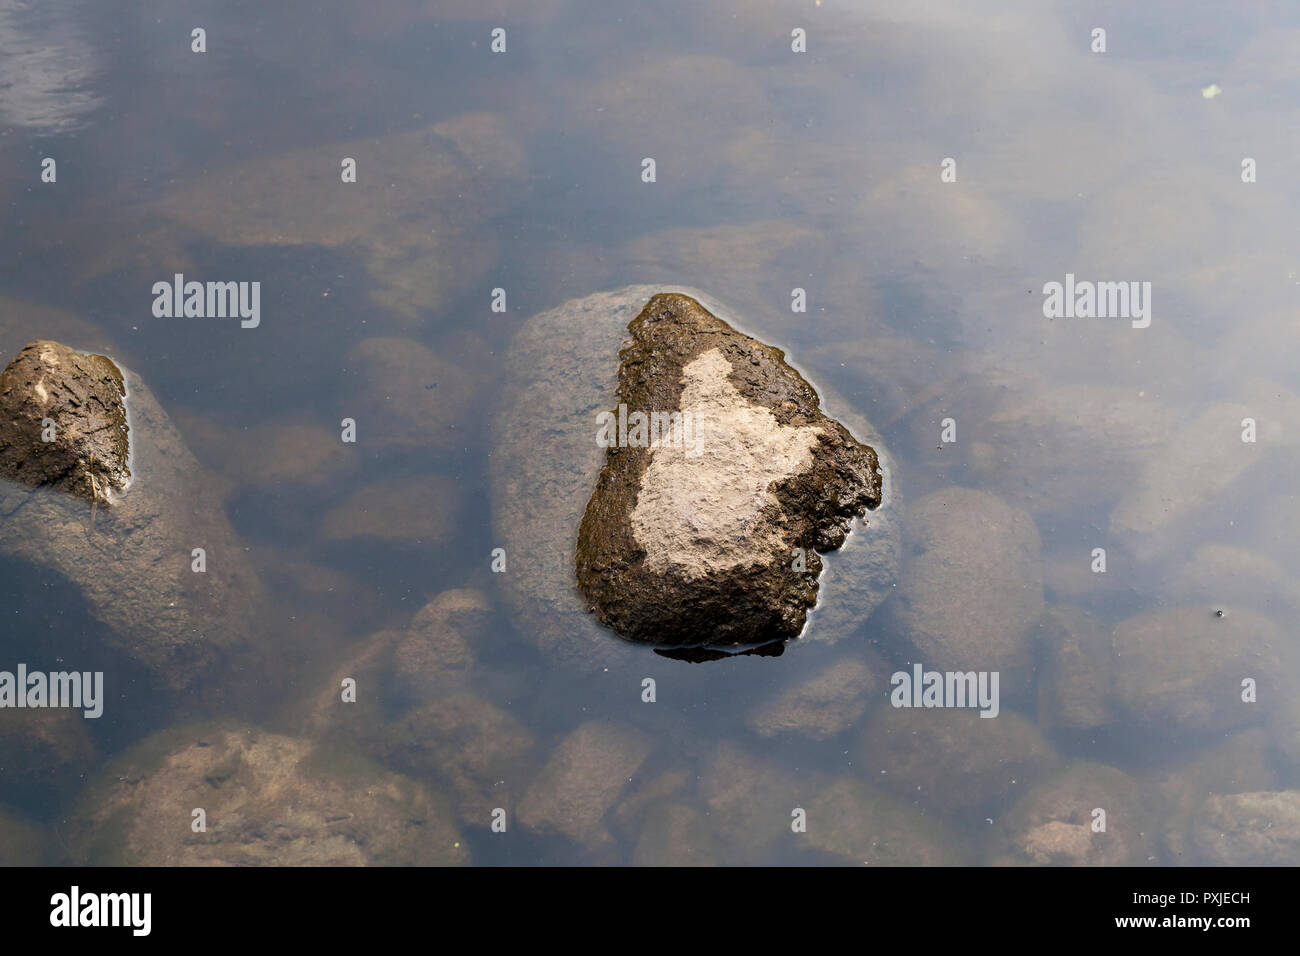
562, 372
691, 542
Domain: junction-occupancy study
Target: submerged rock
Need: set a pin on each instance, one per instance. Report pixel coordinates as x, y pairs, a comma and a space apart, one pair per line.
668, 786
829, 702
476, 748
417, 711
410, 398
64, 422
1220, 575
1070, 447
1243, 763
22, 843
267, 799
952, 759
972, 587
690, 533
284, 452
116, 504
420, 243
855, 823
562, 373
582, 781
44, 753
753, 803
436, 650
1180, 670
1189, 489
397, 512
1088, 815
1249, 829
1078, 674
675, 834
750, 801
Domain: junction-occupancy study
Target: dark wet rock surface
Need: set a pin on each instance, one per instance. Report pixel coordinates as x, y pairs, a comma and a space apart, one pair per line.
63, 422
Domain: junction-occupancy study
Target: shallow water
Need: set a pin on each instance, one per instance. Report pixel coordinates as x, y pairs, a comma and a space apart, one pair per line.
822, 170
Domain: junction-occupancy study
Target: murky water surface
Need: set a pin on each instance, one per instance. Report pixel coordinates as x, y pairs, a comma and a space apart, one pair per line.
922, 172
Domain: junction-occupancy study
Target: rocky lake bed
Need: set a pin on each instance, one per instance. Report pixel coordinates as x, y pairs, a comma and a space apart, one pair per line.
753, 514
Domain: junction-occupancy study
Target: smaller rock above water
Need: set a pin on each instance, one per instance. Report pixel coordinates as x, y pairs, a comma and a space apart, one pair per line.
63, 422
125, 545
690, 534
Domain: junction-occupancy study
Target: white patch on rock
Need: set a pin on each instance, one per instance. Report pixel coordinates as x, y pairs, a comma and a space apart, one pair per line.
696, 515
